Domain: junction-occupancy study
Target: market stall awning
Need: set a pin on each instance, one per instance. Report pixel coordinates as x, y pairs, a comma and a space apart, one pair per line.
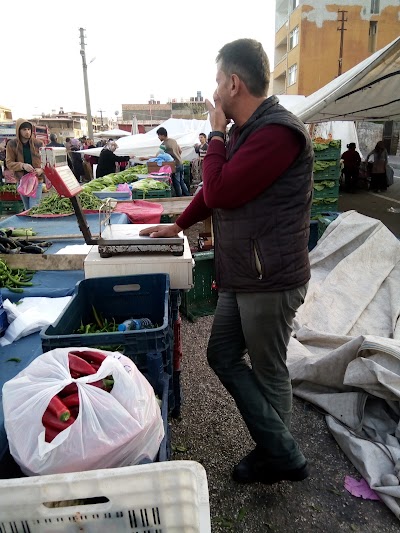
113, 134
368, 91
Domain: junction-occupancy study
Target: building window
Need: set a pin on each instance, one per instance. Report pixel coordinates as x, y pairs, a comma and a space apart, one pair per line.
292, 75
294, 38
373, 30
294, 4
375, 7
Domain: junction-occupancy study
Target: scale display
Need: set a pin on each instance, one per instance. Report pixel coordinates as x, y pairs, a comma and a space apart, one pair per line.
54, 163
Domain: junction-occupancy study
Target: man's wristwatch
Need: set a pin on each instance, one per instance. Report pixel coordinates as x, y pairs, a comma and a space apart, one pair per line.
217, 134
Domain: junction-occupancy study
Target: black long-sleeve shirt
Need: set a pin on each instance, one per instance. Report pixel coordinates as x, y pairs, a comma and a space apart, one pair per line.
107, 162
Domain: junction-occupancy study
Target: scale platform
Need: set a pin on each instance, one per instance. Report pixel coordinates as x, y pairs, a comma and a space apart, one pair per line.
125, 239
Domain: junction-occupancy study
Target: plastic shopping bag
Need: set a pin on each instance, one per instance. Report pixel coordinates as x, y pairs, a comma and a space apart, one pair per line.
28, 185
118, 428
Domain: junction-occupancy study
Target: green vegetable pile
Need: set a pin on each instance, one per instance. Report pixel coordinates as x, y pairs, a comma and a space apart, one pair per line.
9, 187
150, 184
319, 146
53, 204
15, 279
320, 185
323, 201
112, 180
323, 165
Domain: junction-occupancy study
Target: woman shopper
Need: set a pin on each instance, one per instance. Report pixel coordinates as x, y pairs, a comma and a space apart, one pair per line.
23, 157
108, 159
351, 167
378, 173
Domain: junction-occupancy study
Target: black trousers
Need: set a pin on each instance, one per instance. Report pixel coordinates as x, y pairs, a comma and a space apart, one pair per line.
350, 177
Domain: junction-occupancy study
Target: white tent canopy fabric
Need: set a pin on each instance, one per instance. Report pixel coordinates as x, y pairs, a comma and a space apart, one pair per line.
368, 91
345, 356
184, 131
114, 134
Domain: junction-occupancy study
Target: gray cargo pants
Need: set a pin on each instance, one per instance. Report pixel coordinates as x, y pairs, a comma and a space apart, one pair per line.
260, 324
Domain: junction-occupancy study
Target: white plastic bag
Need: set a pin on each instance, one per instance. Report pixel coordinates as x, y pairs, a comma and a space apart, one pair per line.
30, 315
118, 428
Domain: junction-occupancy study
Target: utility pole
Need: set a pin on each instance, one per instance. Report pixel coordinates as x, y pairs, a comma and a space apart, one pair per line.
85, 81
101, 111
342, 29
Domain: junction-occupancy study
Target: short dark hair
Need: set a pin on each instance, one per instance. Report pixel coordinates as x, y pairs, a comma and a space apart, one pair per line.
162, 131
204, 135
68, 139
247, 59
53, 137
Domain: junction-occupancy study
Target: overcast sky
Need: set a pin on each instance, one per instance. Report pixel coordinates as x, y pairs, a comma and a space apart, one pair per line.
167, 49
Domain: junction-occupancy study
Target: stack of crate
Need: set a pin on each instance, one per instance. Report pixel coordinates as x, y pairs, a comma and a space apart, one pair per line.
326, 177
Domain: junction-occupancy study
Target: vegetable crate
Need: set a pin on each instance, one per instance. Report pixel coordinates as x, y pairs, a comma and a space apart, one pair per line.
319, 209
3, 320
119, 298
313, 239
137, 194
7, 207
168, 496
202, 299
327, 154
324, 220
327, 191
8, 196
330, 172
116, 195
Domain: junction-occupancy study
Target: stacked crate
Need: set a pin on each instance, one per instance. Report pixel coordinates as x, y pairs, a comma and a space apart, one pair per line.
326, 177
10, 200
121, 298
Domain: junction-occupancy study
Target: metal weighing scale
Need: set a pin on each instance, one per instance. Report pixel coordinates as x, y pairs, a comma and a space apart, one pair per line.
113, 239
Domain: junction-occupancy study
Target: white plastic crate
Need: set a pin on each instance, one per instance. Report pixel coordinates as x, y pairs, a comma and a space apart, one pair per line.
155, 498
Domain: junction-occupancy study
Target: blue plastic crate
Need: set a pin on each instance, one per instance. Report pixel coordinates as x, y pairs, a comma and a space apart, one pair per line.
175, 304
164, 452
123, 297
3, 321
313, 239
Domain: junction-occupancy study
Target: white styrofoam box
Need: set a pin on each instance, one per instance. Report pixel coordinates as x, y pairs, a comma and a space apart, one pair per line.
179, 268
168, 497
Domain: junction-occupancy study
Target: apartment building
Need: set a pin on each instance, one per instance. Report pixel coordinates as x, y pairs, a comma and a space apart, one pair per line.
308, 51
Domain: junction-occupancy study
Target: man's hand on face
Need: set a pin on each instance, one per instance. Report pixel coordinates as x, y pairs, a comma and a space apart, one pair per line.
162, 230
217, 116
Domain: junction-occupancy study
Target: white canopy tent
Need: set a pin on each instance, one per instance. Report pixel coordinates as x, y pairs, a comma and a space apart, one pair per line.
368, 91
113, 134
184, 131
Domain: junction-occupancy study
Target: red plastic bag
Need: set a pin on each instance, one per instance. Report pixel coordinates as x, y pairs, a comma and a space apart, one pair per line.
28, 185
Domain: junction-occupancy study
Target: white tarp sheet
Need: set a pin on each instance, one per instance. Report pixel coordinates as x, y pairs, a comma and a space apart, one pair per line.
345, 353
184, 131
115, 133
368, 91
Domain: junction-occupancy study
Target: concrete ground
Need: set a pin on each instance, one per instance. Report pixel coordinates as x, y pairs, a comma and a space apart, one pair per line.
382, 206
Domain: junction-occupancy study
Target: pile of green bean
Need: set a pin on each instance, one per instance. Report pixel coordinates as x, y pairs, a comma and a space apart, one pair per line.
15, 279
53, 204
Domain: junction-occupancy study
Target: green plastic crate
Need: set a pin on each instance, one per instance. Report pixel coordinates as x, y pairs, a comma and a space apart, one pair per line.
327, 192
165, 219
7, 207
202, 299
329, 154
156, 193
329, 173
318, 210
324, 220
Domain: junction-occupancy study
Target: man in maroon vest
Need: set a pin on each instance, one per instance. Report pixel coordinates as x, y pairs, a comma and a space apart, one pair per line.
258, 189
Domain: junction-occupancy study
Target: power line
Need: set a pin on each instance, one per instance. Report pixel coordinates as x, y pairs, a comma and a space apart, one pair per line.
342, 29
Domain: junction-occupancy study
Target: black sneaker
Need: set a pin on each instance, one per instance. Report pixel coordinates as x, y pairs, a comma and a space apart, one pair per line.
253, 468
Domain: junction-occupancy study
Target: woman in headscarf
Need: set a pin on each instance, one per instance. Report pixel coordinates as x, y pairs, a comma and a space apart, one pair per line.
378, 172
108, 159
